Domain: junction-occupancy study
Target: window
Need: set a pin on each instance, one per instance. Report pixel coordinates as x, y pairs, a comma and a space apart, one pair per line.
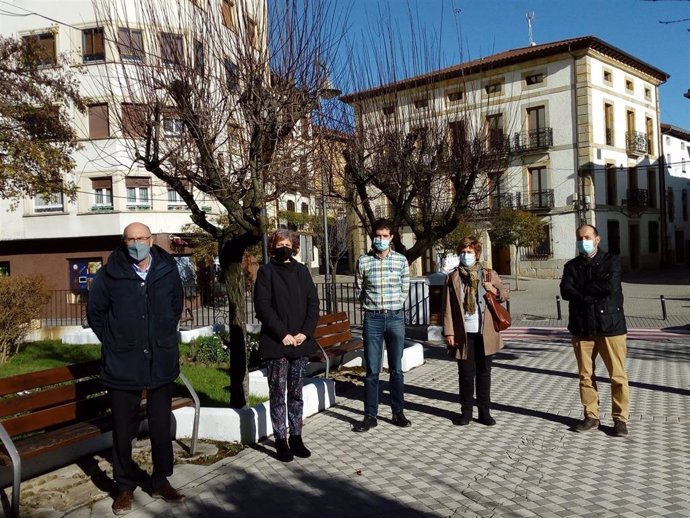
649, 130
305, 208
682, 145
614, 234
538, 196
388, 110
4, 268
494, 131
133, 120
231, 72
668, 140
534, 79
175, 201
630, 121
668, 159
420, 104
172, 48
611, 187
290, 206
199, 56
251, 32
227, 10
50, 203
608, 77
494, 88
172, 126
651, 187
98, 121
608, 123
102, 192
93, 45
632, 177
130, 44
40, 49
629, 85
670, 205
684, 203
653, 231
138, 192
456, 96
536, 118
458, 138
648, 94
682, 165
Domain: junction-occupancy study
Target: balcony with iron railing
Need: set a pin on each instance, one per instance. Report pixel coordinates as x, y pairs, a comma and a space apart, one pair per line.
500, 201
637, 200
636, 143
533, 140
536, 200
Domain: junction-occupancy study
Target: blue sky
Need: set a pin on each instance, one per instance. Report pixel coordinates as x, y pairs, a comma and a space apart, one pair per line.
483, 27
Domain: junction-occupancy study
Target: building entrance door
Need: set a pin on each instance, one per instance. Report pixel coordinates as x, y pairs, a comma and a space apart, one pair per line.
634, 246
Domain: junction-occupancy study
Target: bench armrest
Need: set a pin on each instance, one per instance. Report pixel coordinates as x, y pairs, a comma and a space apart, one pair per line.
197, 410
16, 468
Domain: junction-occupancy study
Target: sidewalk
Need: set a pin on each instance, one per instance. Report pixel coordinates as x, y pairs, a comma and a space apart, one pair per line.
530, 464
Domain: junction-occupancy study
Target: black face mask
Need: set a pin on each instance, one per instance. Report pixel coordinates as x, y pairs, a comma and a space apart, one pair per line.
282, 254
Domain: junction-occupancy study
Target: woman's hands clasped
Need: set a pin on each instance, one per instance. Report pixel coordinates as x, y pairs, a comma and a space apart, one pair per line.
294, 340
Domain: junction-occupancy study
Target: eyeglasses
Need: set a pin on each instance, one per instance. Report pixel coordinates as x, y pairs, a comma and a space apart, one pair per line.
130, 240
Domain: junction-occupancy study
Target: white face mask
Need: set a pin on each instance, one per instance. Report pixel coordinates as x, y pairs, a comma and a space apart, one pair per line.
467, 259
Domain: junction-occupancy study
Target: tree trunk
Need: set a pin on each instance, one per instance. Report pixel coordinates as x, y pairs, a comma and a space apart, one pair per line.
517, 268
233, 278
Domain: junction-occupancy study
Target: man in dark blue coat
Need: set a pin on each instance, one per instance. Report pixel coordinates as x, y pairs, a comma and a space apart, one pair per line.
592, 284
134, 307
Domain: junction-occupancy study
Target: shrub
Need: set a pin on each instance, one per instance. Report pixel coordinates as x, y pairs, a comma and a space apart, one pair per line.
208, 349
21, 298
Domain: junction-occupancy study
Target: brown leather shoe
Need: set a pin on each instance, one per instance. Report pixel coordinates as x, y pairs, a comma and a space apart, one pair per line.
589, 423
168, 493
620, 429
123, 502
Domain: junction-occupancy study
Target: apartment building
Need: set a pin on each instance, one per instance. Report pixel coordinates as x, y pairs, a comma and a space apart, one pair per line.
68, 241
676, 165
580, 122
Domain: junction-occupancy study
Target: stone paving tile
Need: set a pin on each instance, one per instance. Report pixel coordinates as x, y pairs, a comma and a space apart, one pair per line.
530, 464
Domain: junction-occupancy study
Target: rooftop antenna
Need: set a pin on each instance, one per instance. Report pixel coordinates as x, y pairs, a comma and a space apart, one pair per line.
530, 17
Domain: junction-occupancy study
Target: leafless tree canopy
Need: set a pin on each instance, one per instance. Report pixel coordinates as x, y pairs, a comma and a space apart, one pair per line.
425, 152
211, 96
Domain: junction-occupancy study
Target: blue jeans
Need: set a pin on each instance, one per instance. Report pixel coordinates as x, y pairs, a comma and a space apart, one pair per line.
378, 327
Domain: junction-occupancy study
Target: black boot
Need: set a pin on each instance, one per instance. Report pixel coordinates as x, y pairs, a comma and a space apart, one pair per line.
298, 447
465, 416
283, 451
485, 417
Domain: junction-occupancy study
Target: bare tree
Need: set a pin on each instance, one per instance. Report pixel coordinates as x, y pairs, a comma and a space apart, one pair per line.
210, 96
37, 92
429, 148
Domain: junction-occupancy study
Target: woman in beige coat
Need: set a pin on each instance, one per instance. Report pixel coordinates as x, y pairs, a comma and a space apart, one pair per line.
469, 331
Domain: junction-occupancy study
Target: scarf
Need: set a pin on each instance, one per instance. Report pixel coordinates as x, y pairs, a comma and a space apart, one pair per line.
470, 279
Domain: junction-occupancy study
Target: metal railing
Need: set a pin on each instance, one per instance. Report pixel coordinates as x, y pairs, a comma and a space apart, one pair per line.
535, 200
208, 306
532, 140
636, 143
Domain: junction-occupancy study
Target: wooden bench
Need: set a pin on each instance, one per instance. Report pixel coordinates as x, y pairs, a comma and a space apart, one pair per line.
48, 410
334, 337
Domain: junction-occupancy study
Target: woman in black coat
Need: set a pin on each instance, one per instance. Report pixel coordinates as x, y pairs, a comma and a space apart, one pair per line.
287, 305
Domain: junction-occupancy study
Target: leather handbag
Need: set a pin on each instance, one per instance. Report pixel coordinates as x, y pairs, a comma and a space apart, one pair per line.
500, 316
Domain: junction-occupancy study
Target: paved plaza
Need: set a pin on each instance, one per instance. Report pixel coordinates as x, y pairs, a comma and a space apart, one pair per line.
530, 464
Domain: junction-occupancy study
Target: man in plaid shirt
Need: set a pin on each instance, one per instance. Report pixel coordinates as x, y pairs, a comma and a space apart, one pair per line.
382, 279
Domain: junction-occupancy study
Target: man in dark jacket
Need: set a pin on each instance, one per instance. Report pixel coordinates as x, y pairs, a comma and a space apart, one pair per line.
592, 284
134, 307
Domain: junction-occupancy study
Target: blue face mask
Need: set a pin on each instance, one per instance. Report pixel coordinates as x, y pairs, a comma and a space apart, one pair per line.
381, 244
138, 251
585, 246
467, 259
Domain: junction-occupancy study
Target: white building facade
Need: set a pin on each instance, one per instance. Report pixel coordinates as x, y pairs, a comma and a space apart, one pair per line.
676, 165
65, 240
581, 120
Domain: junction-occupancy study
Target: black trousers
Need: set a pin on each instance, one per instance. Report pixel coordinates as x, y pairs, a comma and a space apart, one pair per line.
475, 369
125, 408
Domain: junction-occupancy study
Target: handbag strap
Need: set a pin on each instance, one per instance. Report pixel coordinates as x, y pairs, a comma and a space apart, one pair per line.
487, 274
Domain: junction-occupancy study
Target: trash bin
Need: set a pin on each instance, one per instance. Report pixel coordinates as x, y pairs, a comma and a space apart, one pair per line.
436, 281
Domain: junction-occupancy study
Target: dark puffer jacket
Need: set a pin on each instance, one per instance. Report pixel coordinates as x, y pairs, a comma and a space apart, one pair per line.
593, 289
136, 321
286, 302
